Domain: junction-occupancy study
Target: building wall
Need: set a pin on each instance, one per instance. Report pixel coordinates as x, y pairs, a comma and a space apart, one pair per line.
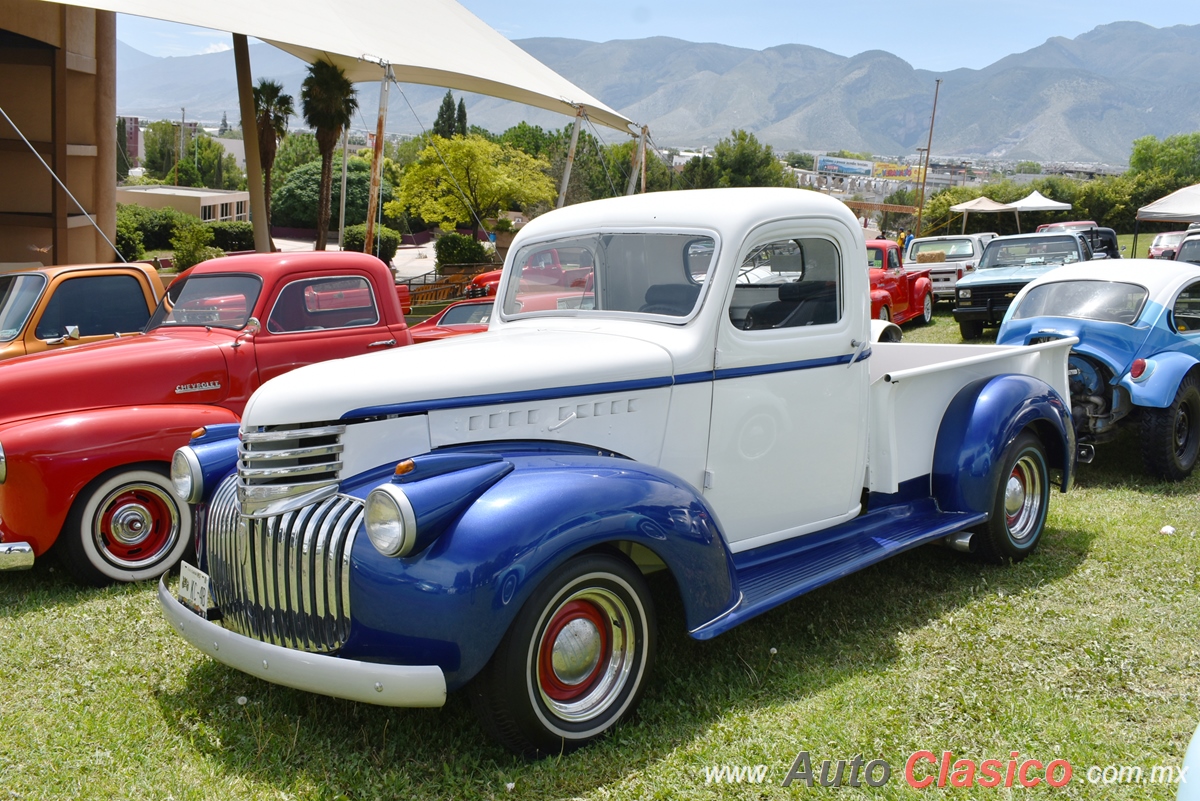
58, 85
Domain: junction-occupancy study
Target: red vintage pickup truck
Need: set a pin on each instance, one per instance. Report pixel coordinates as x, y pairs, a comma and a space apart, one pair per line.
87, 434
896, 294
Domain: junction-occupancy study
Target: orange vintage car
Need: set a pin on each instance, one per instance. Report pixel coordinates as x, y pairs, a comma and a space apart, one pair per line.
45, 308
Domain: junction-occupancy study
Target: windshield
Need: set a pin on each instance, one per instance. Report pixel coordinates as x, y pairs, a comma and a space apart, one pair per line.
219, 301
1032, 251
467, 314
954, 249
1189, 251
1107, 301
18, 295
647, 273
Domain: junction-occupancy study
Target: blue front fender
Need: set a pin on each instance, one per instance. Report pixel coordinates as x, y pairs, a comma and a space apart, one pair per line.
980, 423
452, 603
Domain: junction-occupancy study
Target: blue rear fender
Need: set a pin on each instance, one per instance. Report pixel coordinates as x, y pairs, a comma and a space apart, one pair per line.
451, 603
981, 422
1158, 390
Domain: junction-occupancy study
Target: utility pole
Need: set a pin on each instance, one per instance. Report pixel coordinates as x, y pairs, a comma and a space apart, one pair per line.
928, 147
179, 155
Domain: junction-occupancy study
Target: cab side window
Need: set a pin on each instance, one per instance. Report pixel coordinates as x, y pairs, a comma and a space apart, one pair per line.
1185, 315
99, 304
317, 304
893, 260
789, 283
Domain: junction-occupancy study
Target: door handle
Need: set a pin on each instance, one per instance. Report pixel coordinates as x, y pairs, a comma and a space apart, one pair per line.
383, 343
858, 348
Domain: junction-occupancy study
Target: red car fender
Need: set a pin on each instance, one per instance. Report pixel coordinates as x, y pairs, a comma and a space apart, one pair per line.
879, 299
51, 459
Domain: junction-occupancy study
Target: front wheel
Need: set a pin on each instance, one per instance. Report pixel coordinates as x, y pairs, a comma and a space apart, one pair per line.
885, 314
125, 526
970, 329
574, 662
1022, 497
1171, 436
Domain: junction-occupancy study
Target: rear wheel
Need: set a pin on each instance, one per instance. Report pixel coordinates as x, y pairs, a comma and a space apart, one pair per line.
1022, 497
970, 329
574, 662
927, 310
1171, 436
125, 526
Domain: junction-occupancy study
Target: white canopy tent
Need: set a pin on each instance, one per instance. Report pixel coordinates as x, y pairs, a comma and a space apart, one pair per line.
1035, 201
375, 40
1182, 206
979, 205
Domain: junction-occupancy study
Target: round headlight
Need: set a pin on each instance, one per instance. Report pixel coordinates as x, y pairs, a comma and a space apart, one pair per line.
186, 476
390, 522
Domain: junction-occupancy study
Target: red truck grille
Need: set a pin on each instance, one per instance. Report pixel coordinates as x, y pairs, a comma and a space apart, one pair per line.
283, 579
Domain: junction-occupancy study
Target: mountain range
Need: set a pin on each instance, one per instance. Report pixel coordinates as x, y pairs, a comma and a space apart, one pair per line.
1068, 100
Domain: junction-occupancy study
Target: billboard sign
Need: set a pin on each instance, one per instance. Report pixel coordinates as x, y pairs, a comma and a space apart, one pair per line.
843, 166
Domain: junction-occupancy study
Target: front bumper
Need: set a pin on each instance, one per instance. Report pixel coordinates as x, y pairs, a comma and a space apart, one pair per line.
16, 556
366, 682
990, 312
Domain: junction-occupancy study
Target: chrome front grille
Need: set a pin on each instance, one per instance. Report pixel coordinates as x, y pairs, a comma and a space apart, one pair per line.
285, 468
283, 579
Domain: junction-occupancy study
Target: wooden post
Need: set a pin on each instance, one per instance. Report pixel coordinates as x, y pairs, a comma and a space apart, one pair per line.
566, 179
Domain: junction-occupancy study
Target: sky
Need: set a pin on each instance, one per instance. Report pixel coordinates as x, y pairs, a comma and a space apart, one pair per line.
937, 35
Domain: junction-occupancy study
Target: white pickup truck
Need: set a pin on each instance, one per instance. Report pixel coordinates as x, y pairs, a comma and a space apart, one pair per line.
480, 512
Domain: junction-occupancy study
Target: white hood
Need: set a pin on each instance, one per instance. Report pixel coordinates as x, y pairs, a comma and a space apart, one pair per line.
474, 368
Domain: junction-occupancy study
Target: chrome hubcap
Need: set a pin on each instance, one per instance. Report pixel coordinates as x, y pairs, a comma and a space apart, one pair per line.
1014, 496
577, 649
1023, 498
131, 523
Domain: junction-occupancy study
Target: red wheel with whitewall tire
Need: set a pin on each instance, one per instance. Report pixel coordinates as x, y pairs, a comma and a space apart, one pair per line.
127, 525
575, 661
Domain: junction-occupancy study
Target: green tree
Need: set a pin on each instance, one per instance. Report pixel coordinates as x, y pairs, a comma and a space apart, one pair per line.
224, 127
898, 221
296, 199
329, 103
294, 151
161, 141
447, 118
532, 139
216, 168
1177, 155
484, 178
122, 151
699, 173
1028, 168
460, 119
801, 161
272, 108
741, 161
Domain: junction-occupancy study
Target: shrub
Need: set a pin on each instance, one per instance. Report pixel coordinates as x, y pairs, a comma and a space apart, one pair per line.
192, 244
129, 239
459, 249
157, 225
386, 240
294, 203
503, 226
232, 235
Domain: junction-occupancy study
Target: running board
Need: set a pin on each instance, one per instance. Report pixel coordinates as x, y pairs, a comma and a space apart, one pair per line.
777, 573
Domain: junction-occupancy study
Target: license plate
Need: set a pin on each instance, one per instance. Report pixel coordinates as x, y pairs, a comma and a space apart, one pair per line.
193, 588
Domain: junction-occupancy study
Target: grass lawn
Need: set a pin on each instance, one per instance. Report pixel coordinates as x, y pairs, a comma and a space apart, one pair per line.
1088, 651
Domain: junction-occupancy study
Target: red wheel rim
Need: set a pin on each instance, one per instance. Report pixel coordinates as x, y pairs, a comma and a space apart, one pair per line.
136, 525
578, 634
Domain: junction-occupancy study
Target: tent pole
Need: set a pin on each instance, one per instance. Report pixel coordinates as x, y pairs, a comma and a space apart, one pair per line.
254, 174
965, 215
373, 196
1135, 233
633, 173
1017, 214
342, 197
566, 179
642, 158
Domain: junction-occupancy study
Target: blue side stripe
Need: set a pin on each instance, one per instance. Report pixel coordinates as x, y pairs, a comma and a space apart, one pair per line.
554, 393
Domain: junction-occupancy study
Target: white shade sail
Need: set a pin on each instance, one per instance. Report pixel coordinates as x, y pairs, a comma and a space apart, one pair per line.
1182, 205
432, 42
980, 204
1036, 201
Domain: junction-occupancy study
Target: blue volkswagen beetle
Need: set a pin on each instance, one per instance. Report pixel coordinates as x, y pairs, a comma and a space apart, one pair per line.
1138, 357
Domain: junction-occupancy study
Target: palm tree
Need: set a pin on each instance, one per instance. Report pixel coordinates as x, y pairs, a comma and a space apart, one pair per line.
271, 111
329, 103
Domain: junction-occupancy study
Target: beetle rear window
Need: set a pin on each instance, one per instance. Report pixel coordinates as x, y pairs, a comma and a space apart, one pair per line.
1105, 301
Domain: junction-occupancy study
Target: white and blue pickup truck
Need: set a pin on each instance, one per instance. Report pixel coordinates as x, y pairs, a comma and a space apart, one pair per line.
481, 512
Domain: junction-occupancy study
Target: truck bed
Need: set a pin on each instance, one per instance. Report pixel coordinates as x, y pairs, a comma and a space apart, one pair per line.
912, 384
